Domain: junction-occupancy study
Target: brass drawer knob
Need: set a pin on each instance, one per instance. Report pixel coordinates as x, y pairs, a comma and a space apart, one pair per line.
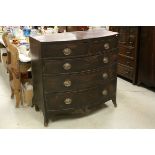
68, 101
67, 51
106, 46
105, 60
105, 75
67, 66
67, 83
104, 92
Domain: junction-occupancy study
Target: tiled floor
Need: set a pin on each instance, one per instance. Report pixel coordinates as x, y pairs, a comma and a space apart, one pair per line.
136, 109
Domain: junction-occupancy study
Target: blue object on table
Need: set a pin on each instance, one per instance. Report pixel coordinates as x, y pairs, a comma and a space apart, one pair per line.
27, 32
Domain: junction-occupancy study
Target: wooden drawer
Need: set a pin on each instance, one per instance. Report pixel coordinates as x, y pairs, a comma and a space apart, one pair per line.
85, 80
69, 49
79, 64
125, 71
79, 49
102, 45
71, 100
127, 40
128, 51
128, 37
126, 60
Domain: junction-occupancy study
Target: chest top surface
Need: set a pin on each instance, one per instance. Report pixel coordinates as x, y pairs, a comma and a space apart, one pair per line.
73, 36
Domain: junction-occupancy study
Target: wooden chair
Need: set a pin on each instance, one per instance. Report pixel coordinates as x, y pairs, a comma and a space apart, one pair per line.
6, 41
5, 38
1, 47
16, 69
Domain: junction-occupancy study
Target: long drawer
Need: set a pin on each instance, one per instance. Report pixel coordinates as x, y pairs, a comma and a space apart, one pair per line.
79, 48
79, 64
68, 100
125, 71
85, 80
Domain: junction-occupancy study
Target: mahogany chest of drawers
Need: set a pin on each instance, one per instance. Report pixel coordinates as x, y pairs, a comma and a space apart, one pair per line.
73, 71
128, 49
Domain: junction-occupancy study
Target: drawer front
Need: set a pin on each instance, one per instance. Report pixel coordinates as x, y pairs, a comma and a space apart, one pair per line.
71, 49
79, 49
71, 100
128, 40
102, 45
72, 82
128, 36
125, 71
79, 64
126, 61
125, 50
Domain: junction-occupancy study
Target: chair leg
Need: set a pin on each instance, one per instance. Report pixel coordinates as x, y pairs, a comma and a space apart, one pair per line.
21, 96
11, 87
12, 93
18, 97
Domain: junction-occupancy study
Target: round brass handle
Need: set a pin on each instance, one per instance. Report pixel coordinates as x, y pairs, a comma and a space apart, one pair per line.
67, 51
105, 60
67, 83
105, 75
67, 66
104, 92
68, 101
106, 46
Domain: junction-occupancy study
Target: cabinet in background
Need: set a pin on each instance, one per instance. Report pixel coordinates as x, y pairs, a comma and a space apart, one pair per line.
128, 49
146, 67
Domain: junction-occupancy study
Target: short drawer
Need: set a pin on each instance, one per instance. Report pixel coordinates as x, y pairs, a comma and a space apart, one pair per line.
128, 51
85, 80
71, 100
78, 64
102, 45
125, 71
69, 49
126, 61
